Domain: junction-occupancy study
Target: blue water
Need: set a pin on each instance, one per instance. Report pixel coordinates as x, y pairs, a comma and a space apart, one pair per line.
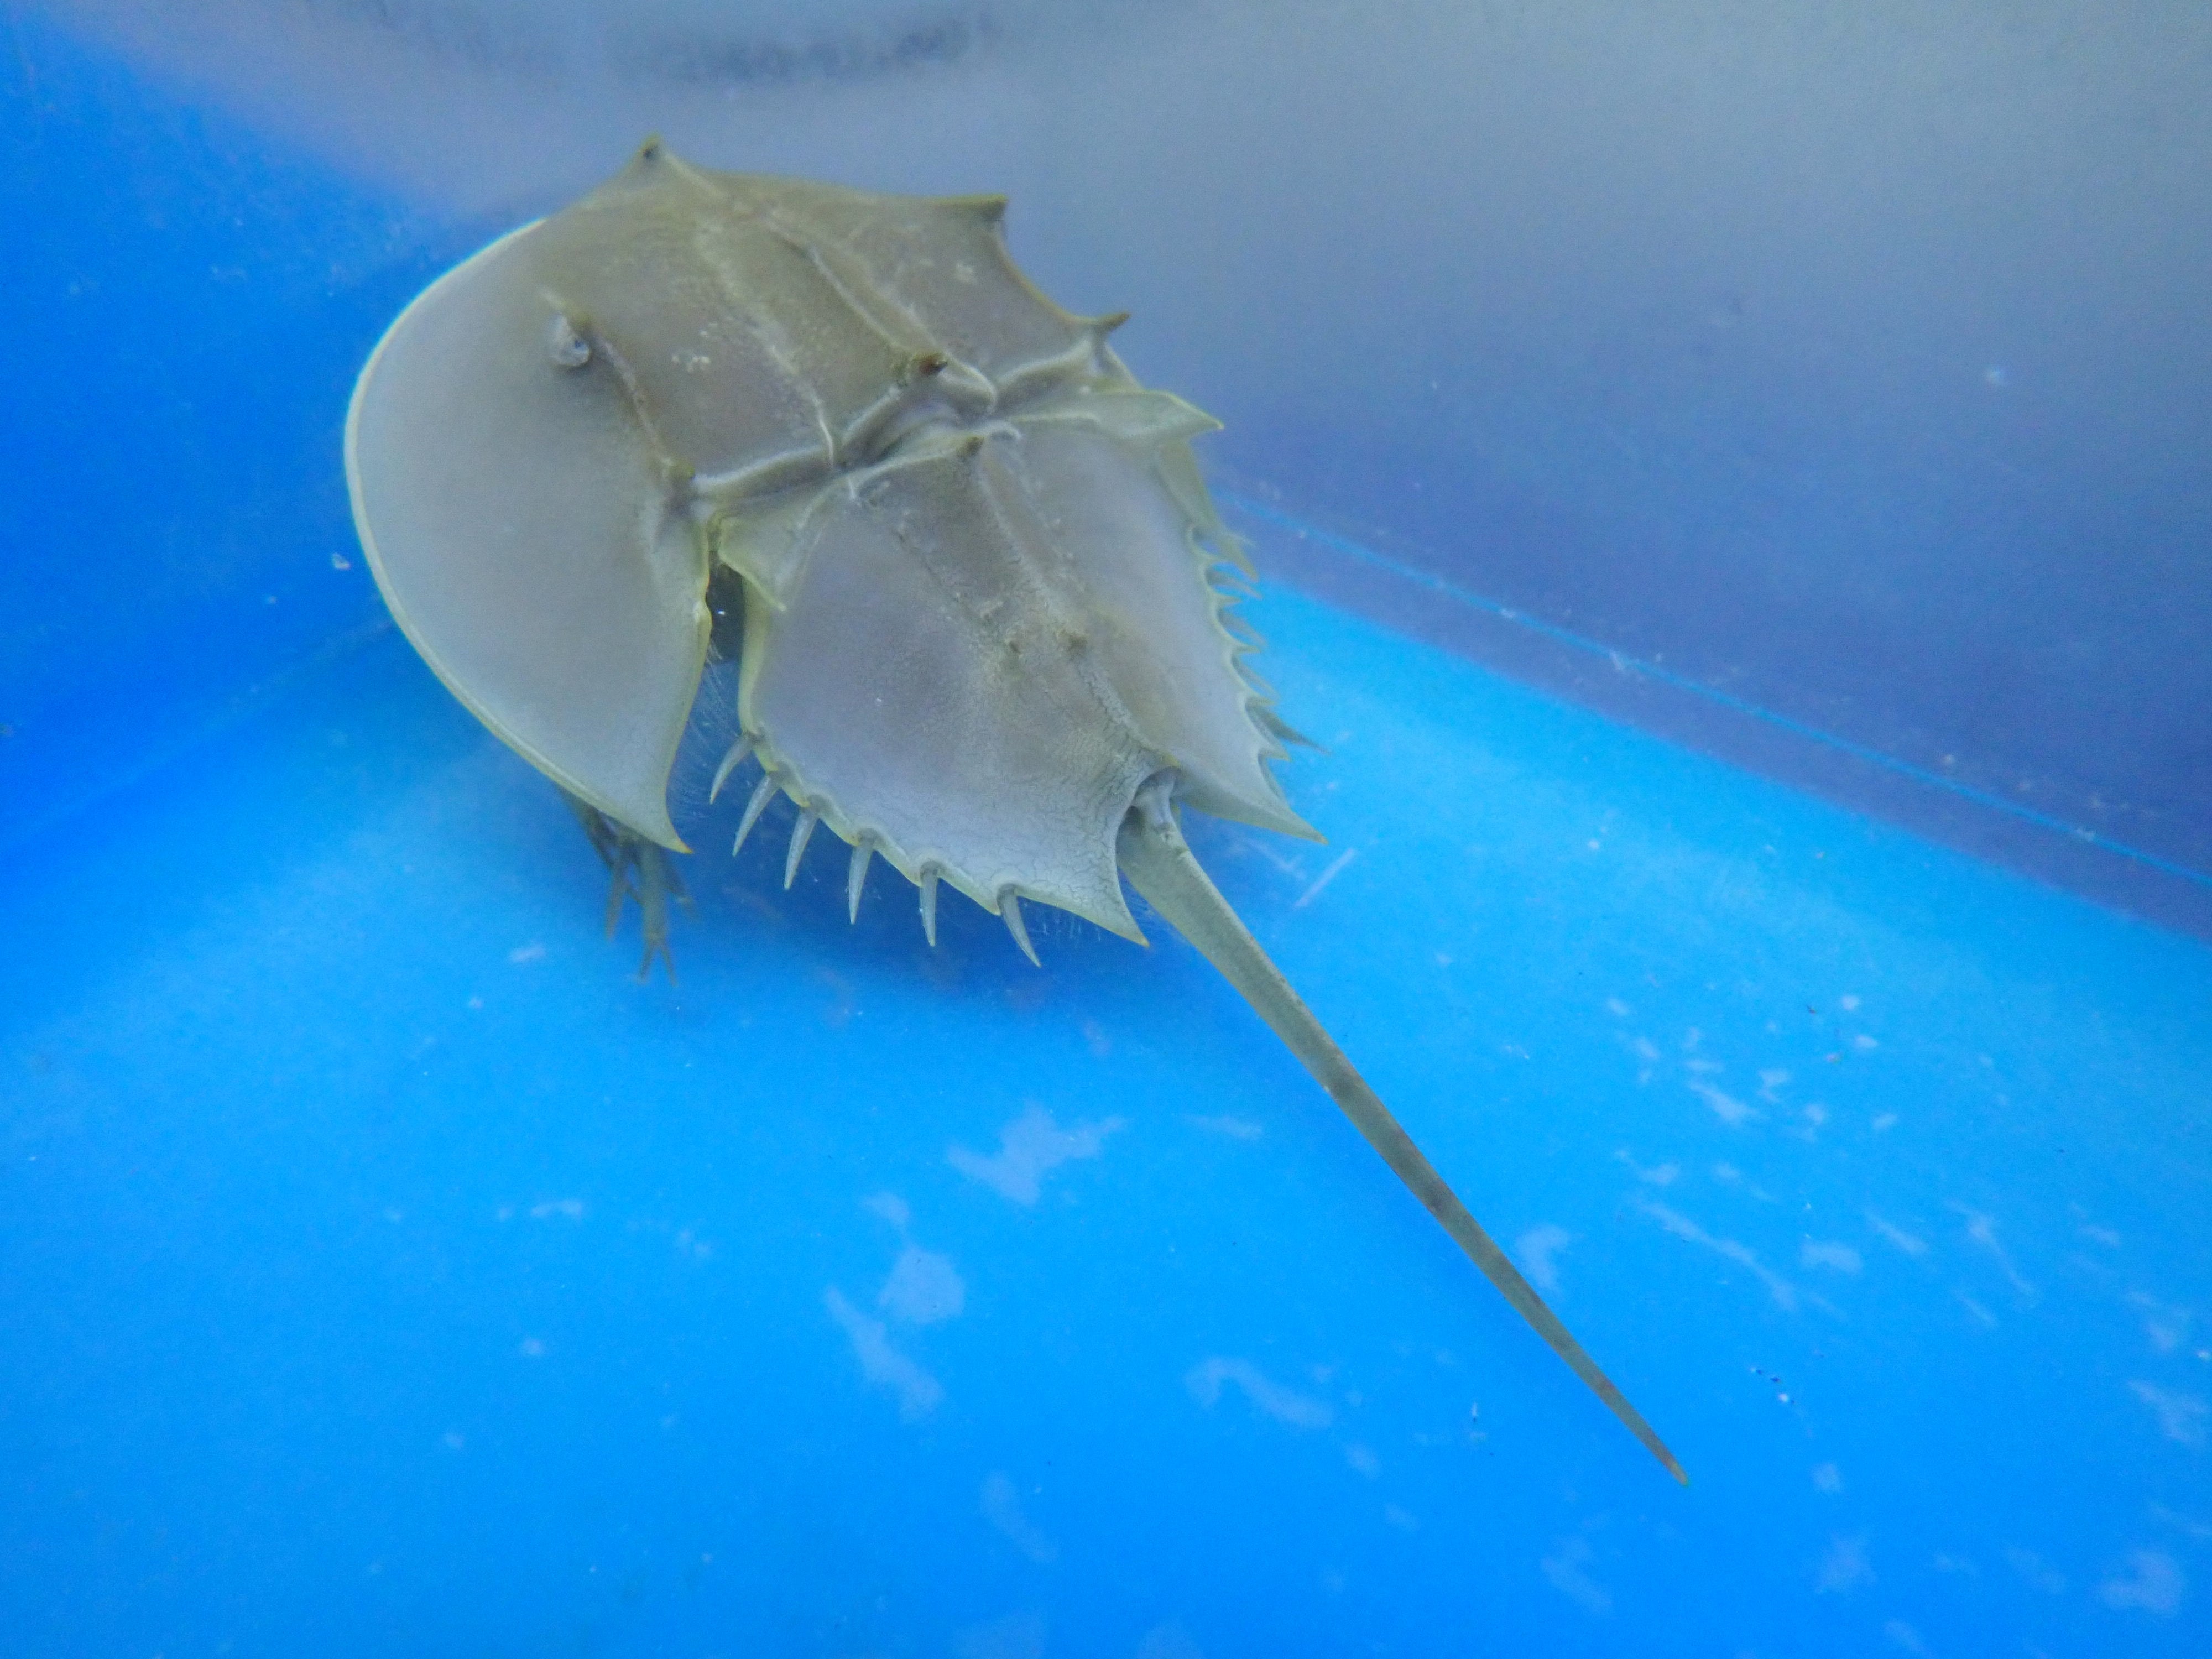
383, 1269
388, 1271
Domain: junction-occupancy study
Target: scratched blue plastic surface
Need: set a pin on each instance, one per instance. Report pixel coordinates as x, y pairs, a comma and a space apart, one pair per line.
384, 1270
387, 1271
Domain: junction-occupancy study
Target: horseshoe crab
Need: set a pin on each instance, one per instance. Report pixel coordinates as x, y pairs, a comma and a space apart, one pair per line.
973, 581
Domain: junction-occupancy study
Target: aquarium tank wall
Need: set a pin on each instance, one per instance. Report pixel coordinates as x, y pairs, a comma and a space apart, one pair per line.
1731, 497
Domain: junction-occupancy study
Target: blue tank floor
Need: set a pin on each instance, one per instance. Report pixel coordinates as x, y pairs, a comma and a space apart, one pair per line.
385, 1270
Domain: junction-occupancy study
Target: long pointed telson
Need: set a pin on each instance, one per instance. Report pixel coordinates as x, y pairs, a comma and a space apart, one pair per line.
1160, 866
